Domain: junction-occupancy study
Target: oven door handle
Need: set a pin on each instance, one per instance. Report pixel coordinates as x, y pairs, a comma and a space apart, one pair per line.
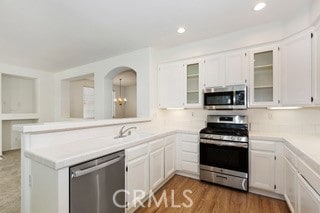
224, 143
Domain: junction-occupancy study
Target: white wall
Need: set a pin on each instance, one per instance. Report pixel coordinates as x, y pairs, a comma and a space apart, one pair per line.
138, 61
45, 91
76, 97
44, 103
130, 92
129, 110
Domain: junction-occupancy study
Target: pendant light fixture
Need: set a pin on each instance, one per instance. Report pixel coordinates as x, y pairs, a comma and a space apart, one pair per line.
120, 100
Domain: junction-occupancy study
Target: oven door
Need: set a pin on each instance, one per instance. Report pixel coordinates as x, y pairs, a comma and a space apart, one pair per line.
216, 100
226, 157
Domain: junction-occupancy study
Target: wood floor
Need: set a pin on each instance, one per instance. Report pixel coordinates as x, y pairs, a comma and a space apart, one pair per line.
211, 198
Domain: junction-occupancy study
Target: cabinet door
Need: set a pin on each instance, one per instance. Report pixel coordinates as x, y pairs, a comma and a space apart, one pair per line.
171, 85
194, 83
264, 77
308, 199
137, 178
316, 59
214, 71
236, 68
262, 170
170, 162
296, 70
290, 192
156, 168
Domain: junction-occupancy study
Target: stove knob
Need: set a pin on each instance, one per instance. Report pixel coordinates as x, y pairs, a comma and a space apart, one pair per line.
221, 137
233, 138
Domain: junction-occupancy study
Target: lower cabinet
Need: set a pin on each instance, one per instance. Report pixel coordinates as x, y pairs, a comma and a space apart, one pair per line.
308, 199
137, 175
266, 166
262, 170
290, 187
156, 168
148, 166
169, 157
188, 154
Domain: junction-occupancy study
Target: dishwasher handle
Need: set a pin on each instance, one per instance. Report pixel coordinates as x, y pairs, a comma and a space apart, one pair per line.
80, 173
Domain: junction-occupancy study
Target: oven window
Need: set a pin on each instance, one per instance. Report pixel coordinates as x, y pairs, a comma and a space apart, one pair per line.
218, 98
225, 157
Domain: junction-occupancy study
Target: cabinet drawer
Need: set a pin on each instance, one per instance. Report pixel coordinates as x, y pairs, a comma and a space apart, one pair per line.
136, 152
291, 157
157, 144
190, 147
190, 157
190, 167
170, 139
309, 174
268, 146
189, 138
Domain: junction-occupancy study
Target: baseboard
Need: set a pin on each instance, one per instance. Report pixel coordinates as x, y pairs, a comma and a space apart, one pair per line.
266, 193
185, 174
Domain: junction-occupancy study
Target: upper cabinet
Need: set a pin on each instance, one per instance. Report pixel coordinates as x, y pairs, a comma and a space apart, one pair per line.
296, 82
225, 69
194, 81
171, 85
264, 76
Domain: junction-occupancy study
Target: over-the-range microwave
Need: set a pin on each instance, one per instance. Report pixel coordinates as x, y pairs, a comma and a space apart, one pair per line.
230, 97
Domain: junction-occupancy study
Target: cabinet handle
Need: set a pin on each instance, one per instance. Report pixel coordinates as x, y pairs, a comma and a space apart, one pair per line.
311, 99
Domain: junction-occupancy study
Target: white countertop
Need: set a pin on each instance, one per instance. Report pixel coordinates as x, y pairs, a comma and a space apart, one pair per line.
306, 147
68, 154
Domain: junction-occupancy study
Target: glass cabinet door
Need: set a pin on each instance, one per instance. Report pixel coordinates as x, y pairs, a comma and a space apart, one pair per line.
193, 84
264, 77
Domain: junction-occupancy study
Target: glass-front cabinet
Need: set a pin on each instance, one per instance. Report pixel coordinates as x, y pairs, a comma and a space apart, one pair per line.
264, 77
194, 83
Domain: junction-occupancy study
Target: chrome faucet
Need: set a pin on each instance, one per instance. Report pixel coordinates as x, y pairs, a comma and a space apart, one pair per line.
123, 131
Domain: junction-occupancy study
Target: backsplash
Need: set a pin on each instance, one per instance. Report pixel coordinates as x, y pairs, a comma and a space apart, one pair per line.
300, 121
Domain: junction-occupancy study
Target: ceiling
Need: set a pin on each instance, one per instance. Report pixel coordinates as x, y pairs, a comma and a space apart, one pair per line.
129, 78
61, 34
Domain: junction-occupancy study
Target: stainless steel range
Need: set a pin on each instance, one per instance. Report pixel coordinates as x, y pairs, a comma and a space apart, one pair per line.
224, 151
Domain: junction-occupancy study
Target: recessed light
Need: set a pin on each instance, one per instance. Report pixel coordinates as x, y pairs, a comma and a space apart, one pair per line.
181, 30
259, 6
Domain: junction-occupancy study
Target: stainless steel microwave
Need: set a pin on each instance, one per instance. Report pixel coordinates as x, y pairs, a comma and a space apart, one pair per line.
230, 97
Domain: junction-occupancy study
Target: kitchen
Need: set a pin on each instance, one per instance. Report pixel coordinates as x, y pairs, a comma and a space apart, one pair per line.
275, 118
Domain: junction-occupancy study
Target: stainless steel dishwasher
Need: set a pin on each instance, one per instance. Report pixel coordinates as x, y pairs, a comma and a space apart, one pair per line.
93, 184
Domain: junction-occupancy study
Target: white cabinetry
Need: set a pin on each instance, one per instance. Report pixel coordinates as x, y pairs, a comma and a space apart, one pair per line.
171, 85
266, 166
194, 83
264, 76
156, 163
170, 156
225, 69
296, 70
263, 170
290, 190
137, 168
308, 199
188, 154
